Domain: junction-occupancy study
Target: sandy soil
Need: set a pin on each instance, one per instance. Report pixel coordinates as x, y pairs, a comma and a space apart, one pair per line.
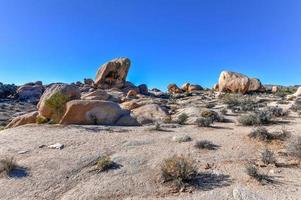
66, 174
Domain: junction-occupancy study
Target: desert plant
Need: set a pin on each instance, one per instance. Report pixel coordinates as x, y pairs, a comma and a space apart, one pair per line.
267, 157
178, 169
56, 103
278, 112
204, 121
253, 172
182, 118
262, 134
237, 102
205, 144
259, 117
104, 163
7, 165
294, 147
41, 120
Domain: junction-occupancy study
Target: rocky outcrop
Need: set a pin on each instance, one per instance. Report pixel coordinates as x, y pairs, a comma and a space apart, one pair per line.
275, 89
30, 92
71, 91
7, 90
238, 83
194, 88
96, 95
28, 118
88, 81
255, 85
86, 112
113, 73
150, 113
143, 89
174, 89
131, 94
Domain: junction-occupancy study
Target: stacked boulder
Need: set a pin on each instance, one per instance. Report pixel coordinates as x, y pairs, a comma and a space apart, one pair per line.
30, 92
238, 83
187, 87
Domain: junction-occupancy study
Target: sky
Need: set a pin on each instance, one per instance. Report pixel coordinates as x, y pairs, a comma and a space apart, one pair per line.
168, 41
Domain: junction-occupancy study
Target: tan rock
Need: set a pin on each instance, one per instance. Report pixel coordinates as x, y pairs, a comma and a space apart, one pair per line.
233, 82
96, 95
149, 113
194, 87
129, 105
174, 89
69, 90
88, 81
215, 87
95, 112
185, 86
275, 89
295, 95
113, 73
28, 118
131, 94
31, 93
255, 85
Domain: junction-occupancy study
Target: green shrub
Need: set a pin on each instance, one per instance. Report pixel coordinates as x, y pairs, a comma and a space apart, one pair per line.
238, 102
262, 134
260, 117
278, 112
182, 118
267, 157
104, 164
57, 105
41, 120
205, 144
178, 169
204, 122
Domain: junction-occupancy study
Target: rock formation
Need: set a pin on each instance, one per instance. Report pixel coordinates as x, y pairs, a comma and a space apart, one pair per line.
113, 73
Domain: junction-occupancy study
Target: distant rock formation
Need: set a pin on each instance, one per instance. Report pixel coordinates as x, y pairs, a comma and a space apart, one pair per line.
113, 73
238, 83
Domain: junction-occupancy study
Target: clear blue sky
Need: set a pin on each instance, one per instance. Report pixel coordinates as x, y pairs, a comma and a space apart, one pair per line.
167, 40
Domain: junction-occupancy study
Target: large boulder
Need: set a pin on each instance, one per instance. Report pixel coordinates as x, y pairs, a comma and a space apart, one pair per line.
87, 112
143, 89
71, 91
113, 73
30, 92
255, 85
28, 118
194, 87
233, 82
174, 89
150, 113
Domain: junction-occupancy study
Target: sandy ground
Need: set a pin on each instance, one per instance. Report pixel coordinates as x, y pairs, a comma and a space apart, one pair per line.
66, 174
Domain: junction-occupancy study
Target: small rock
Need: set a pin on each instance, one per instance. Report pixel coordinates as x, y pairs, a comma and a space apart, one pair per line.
180, 139
42, 146
23, 152
56, 146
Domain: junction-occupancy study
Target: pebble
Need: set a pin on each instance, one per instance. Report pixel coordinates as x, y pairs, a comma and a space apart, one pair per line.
180, 139
23, 152
56, 146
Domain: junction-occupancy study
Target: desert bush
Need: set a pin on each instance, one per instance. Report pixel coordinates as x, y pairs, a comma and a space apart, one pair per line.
278, 112
204, 121
41, 120
262, 134
284, 92
7, 165
104, 163
253, 172
294, 147
238, 102
56, 103
205, 144
182, 118
267, 157
178, 169
259, 117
